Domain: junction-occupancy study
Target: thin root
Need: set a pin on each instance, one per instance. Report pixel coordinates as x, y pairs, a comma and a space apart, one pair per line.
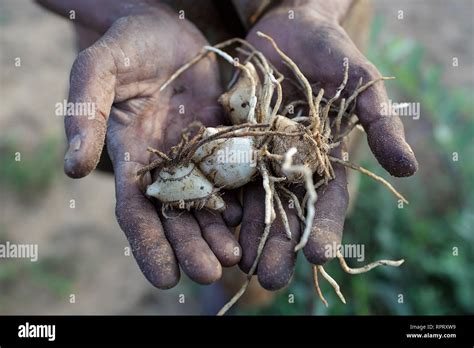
283, 216
295, 201
333, 283
150, 167
316, 285
341, 87
299, 75
189, 151
368, 267
312, 195
370, 174
158, 153
269, 217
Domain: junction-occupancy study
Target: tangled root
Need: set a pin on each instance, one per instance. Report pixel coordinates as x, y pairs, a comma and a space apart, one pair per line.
269, 218
292, 153
349, 270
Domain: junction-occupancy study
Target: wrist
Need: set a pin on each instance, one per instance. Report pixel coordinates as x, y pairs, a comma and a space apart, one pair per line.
334, 10
98, 15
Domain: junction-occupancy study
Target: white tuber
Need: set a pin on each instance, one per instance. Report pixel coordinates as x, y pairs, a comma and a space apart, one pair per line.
228, 163
239, 102
185, 187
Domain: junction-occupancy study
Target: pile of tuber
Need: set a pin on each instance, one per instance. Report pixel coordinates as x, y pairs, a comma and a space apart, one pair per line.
271, 140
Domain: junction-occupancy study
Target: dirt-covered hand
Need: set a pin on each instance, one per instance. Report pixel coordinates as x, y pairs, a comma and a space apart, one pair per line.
318, 45
121, 75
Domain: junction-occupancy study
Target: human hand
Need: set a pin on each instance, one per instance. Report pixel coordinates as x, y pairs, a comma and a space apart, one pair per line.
318, 45
121, 75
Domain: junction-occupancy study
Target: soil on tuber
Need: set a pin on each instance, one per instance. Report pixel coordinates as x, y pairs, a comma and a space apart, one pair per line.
286, 140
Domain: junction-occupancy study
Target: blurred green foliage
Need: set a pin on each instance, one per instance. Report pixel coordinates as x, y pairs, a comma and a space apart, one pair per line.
425, 233
36, 168
49, 276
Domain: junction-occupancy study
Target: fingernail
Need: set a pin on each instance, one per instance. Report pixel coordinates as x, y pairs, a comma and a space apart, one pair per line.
69, 163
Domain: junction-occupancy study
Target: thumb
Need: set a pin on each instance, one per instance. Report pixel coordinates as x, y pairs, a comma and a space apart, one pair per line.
91, 94
385, 132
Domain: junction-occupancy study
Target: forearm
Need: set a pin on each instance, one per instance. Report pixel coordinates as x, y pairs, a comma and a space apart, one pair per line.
249, 10
334, 9
97, 15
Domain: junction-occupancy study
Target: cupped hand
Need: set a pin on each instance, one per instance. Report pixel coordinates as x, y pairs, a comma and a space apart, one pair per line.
121, 75
318, 45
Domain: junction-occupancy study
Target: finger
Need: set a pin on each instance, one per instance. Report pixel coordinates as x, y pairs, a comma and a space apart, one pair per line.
232, 214
137, 217
194, 255
252, 223
91, 94
328, 223
220, 239
385, 133
278, 260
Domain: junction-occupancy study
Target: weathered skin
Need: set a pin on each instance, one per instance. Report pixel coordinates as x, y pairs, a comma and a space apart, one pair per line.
317, 43
134, 115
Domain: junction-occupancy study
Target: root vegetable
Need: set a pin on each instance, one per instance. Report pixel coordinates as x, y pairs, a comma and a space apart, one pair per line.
238, 101
229, 163
305, 146
263, 142
185, 187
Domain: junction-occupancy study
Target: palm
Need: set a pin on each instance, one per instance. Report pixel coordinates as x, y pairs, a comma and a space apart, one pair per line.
319, 47
122, 73
158, 119
143, 116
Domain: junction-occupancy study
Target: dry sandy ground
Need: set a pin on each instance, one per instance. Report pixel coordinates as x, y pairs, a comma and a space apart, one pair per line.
86, 241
